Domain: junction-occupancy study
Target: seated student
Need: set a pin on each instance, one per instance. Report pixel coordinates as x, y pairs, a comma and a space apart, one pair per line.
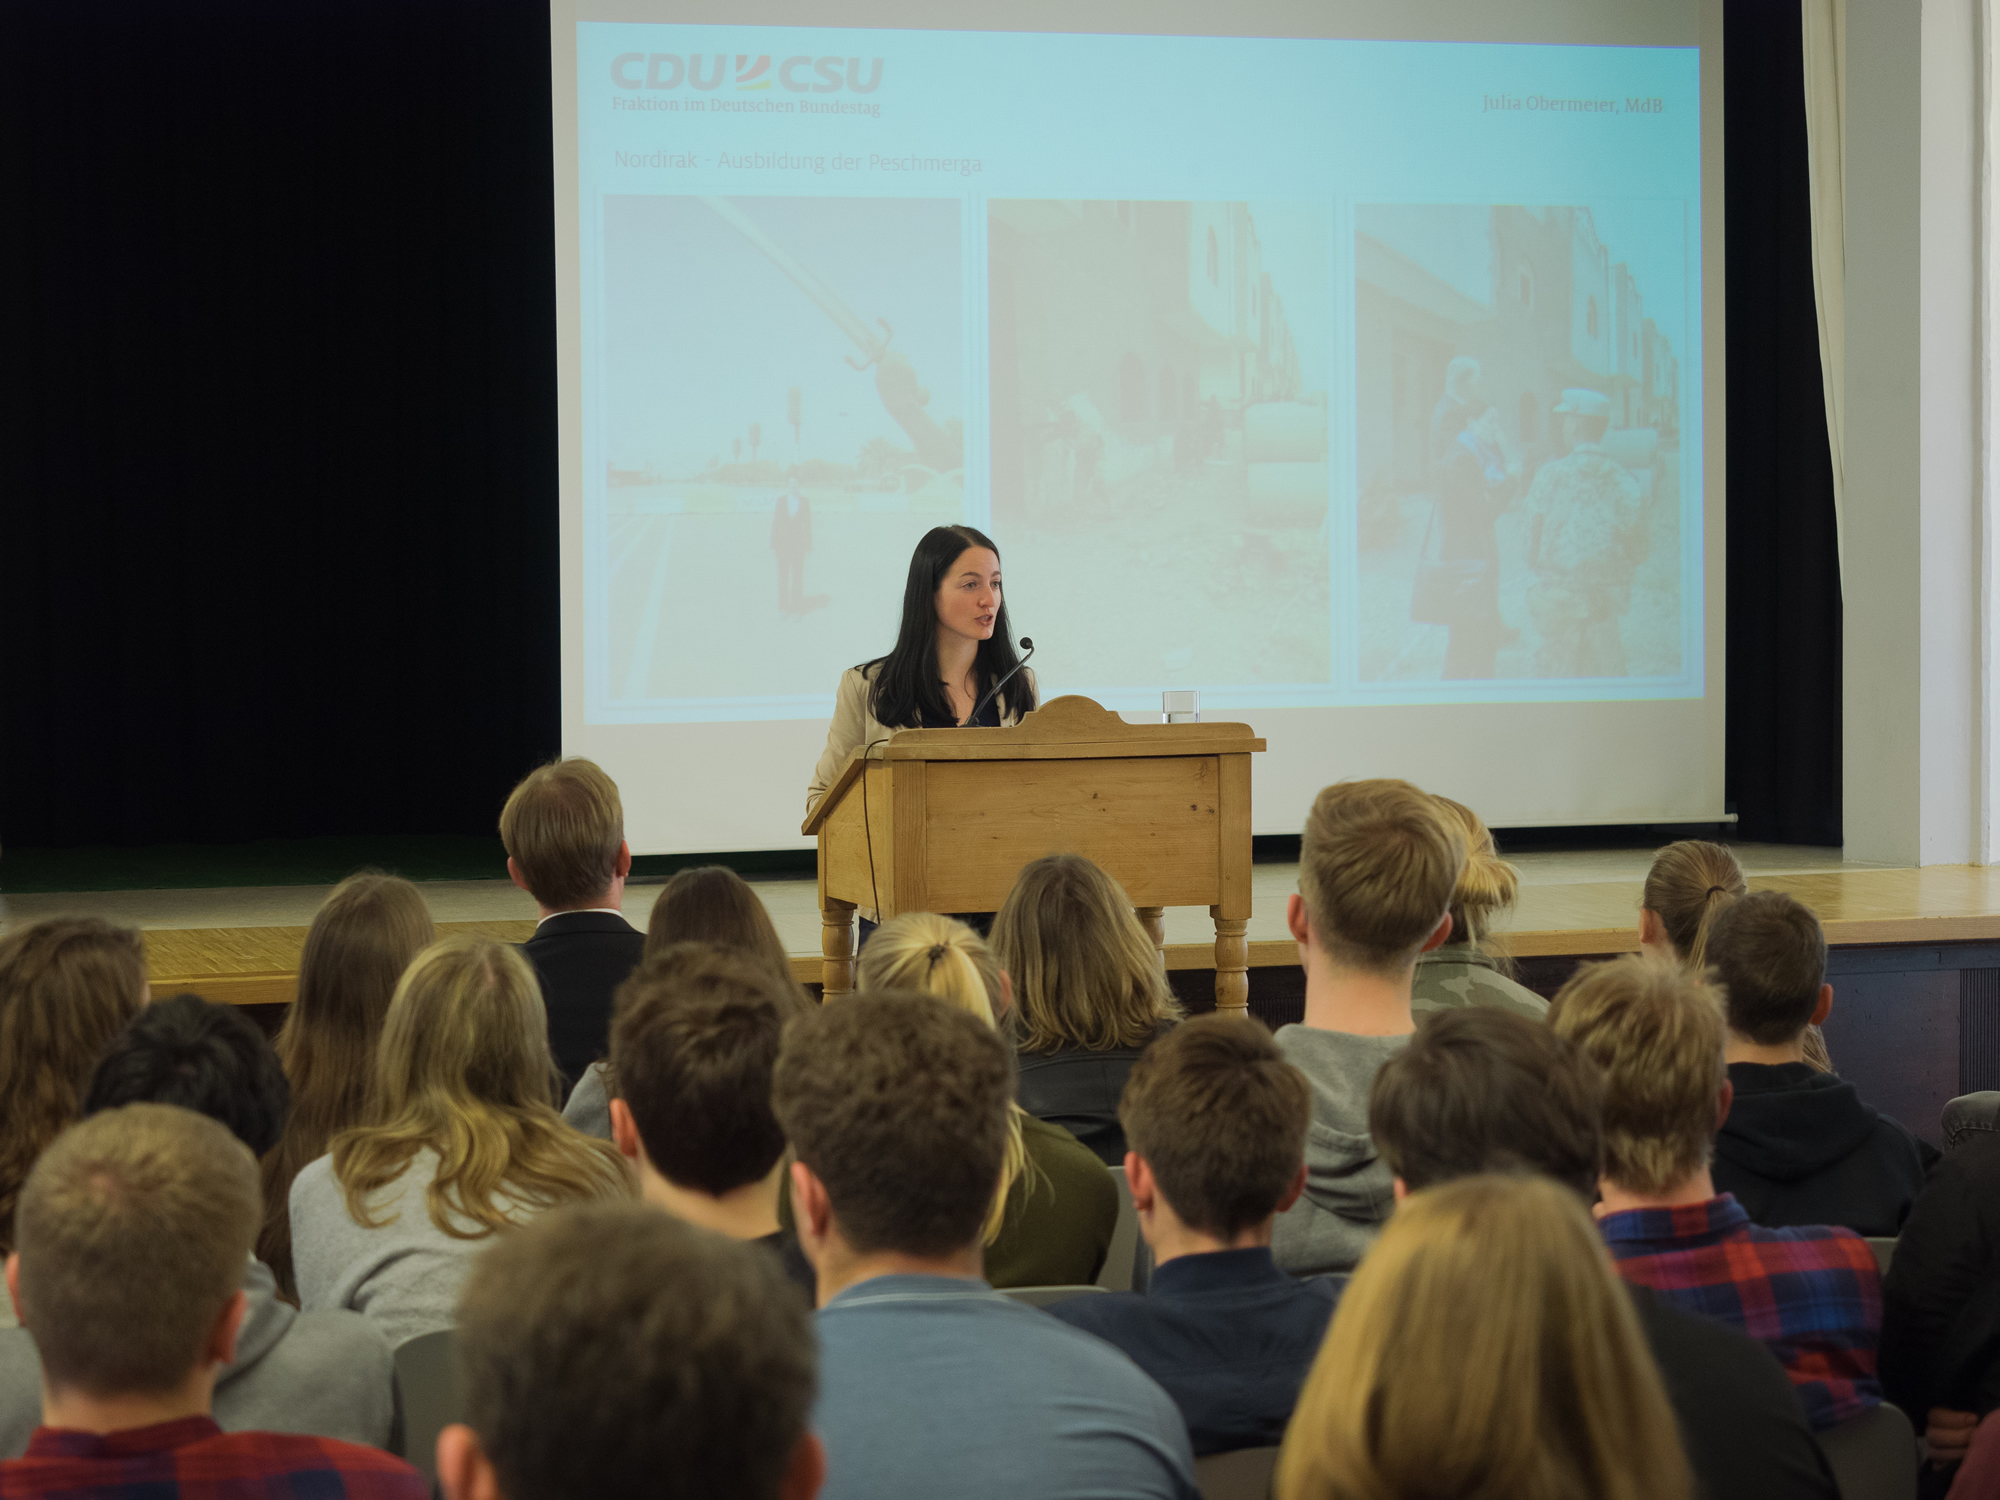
1464, 970
1485, 1348
708, 904
465, 1144
1053, 1218
68, 985
1799, 1146
694, 1034
133, 1233
362, 938
1811, 1293
1377, 869
327, 1373
1090, 992
1216, 1119
932, 1383
611, 1353
1482, 1090
564, 829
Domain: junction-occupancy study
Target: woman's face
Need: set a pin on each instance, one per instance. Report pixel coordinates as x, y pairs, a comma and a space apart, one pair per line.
968, 601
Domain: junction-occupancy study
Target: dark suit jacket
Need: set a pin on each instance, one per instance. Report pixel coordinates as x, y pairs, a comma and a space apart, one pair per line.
582, 956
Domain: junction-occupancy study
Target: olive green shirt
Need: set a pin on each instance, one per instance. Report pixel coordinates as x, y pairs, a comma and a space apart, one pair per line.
1057, 1233
1458, 975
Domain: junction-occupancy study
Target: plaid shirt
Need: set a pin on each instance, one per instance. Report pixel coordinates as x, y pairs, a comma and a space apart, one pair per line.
195, 1458
1813, 1295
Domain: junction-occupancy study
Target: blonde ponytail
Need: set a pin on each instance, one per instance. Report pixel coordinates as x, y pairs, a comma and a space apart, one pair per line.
1689, 883
1487, 885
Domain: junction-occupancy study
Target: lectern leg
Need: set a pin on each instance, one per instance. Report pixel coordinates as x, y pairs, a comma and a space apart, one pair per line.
1232, 966
1154, 920
836, 947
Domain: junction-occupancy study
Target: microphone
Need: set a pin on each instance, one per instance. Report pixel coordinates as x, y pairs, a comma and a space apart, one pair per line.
972, 718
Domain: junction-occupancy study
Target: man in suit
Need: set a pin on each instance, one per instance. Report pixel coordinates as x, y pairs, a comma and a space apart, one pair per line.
564, 829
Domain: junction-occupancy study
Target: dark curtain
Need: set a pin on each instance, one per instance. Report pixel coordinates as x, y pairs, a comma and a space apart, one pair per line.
1784, 702
277, 453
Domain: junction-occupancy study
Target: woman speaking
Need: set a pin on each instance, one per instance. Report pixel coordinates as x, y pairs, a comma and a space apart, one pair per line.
952, 647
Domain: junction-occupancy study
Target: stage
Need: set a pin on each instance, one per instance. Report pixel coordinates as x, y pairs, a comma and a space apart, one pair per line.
1916, 960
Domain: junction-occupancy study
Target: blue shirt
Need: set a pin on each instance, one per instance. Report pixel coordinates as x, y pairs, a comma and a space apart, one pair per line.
1227, 1334
932, 1385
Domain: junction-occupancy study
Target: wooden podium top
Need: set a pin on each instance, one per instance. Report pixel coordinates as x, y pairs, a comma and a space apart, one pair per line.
1067, 728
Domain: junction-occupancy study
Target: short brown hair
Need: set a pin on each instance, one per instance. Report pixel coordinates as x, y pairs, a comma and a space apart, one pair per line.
1656, 1029
694, 1036
713, 904
135, 1228
1486, 1090
898, 1102
562, 826
1220, 1117
1769, 951
616, 1351
1378, 865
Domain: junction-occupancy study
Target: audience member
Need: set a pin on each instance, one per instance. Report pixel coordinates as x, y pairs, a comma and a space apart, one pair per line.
615, 1354
1377, 868
68, 985
1216, 1121
1484, 1090
1811, 1293
465, 1143
134, 1230
1052, 1220
1485, 1348
708, 904
1799, 1146
325, 1373
1467, 969
1941, 1298
931, 1382
1092, 995
694, 1035
564, 829
362, 939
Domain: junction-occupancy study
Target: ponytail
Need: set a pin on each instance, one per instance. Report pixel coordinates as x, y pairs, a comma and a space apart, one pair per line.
1486, 886
1689, 883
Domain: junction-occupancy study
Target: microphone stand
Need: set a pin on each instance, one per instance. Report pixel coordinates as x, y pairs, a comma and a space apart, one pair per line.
972, 719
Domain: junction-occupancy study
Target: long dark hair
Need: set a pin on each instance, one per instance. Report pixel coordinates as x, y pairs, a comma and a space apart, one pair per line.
907, 691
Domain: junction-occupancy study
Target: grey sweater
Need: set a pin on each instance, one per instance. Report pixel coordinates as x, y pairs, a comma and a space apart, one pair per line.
1349, 1188
404, 1276
589, 1107
325, 1374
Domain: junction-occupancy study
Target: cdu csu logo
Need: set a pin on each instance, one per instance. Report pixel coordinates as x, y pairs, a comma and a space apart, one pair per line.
708, 71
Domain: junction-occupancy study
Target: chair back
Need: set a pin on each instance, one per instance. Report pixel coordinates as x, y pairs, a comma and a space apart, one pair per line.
1042, 1296
1874, 1455
1118, 1260
428, 1398
1884, 1248
1244, 1474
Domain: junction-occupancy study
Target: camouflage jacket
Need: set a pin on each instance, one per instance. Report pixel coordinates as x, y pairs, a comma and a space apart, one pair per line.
1593, 524
1458, 975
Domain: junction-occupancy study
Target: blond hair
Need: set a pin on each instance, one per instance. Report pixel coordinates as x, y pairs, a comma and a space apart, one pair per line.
1487, 884
1688, 884
1485, 1347
135, 1230
364, 935
68, 985
563, 826
1657, 1030
932, 954
1378, 865
463, 1068
1085, 973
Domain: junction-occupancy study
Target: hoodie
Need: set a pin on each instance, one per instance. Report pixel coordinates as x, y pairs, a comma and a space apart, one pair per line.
324, 1374
1349, 1188
1800, 1148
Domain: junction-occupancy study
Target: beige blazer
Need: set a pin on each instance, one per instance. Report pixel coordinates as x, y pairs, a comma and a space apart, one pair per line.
854, 726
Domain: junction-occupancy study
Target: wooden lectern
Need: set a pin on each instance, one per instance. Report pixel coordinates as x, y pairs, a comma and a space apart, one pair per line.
944, 819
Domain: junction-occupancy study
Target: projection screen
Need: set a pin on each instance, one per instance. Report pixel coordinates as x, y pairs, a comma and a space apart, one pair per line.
1360, 368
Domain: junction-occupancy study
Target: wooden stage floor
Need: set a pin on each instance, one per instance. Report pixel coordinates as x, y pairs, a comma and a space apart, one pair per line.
242, 944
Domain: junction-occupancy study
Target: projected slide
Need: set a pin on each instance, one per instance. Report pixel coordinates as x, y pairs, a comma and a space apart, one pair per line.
1305, 373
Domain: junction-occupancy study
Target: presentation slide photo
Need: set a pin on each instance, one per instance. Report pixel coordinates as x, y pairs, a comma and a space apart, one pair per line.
1158, 378
784, 417
1517, 441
